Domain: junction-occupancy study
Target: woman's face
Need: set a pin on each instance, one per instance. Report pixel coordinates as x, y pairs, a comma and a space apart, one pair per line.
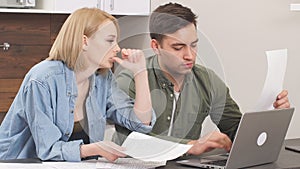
102, 46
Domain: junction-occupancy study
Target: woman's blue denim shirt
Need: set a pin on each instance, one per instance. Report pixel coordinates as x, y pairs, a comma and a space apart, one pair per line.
40, 119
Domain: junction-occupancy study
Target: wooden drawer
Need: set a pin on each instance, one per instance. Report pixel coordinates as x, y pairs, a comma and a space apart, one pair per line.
2, 115
8, 91
56, 23
16, 62
30, 37
25, 28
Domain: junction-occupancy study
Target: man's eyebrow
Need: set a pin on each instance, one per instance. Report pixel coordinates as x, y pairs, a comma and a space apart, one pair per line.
183, 44
196, 41
178, 44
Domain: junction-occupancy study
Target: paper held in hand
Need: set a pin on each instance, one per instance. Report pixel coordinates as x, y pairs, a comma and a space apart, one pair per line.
277, 61
148, 148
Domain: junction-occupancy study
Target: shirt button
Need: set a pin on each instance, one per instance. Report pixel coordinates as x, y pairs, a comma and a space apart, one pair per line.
169, 118
164, 85
171, 95
71, 111
69, 94
67, 134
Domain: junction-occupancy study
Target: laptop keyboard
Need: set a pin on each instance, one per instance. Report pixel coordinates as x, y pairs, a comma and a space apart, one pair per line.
218, 162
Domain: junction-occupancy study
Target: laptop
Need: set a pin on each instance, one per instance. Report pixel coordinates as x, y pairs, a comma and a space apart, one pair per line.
258, 140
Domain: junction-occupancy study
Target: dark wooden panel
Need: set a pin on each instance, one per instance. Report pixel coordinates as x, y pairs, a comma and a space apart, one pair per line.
5, 101
8, 91
57, 21
25, 28
10, 85
16, 62
2, 115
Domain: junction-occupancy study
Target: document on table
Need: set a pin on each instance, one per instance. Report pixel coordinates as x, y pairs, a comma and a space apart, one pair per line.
127, 163
101, 163
148, 148
21, 166
277, 60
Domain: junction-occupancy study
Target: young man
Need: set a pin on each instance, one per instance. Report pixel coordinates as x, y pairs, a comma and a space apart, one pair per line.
184, 93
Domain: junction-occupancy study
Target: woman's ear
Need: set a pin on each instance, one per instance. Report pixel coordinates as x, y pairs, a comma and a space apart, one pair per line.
154, 46
85, 42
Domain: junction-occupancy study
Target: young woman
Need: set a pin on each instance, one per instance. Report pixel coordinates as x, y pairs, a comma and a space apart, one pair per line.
61, 109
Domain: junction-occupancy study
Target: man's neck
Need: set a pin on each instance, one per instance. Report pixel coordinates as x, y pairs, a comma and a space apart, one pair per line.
177, 81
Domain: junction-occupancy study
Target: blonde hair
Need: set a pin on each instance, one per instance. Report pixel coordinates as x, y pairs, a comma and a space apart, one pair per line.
69, 41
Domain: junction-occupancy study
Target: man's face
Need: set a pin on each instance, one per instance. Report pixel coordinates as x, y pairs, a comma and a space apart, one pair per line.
177, 51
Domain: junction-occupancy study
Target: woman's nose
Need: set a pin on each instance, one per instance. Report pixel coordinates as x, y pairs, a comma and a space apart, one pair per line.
117, 48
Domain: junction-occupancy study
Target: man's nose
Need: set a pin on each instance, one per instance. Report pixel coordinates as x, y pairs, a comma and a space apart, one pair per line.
188, 55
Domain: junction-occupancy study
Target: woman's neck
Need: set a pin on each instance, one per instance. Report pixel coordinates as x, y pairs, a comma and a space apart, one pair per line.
83, 76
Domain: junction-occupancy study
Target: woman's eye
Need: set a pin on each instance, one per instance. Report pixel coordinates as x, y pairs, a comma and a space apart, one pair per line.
110, 41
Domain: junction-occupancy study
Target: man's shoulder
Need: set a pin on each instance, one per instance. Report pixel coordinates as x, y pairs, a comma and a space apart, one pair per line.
200, 70
150, 60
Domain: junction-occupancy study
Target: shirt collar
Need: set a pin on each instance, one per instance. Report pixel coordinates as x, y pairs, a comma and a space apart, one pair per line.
70, 82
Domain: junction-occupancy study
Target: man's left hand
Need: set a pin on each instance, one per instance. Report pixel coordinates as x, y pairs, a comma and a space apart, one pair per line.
282, 100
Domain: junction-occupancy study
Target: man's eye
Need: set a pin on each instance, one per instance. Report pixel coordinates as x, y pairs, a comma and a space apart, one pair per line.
194, 45
177, 48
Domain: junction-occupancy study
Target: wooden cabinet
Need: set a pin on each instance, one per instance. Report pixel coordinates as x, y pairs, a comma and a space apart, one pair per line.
30, 37
114, 7
65, 6
126, 7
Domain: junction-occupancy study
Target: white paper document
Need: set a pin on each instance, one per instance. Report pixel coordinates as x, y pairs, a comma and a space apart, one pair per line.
21, 165
101, 163
147, 148
127, 163
277, 60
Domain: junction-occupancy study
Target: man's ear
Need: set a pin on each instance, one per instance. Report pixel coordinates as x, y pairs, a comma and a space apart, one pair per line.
84, 42
155, 45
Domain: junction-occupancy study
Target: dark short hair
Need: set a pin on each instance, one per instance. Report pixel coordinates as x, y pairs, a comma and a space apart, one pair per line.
168, 18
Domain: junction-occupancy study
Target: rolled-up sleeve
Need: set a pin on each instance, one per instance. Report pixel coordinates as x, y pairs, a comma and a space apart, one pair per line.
120, 110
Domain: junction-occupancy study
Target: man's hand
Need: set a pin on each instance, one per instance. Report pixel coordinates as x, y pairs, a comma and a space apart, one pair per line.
210, 141
282, 100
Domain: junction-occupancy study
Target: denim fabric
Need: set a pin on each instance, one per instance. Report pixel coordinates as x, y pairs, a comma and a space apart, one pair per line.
40, 119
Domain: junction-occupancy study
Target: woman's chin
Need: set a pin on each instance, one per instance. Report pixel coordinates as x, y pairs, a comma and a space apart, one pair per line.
106, 66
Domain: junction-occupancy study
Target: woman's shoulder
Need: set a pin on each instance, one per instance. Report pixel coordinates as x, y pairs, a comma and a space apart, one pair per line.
46, 69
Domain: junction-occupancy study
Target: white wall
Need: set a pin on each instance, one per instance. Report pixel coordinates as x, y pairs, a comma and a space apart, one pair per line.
241, 31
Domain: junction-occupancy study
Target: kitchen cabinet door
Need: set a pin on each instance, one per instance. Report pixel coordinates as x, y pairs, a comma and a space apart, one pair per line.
125, 7
30, 36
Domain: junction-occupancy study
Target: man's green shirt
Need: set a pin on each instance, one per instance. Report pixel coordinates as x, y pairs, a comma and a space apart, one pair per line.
203, 94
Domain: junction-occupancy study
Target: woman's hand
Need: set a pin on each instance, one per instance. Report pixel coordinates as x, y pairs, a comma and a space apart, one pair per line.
106, 149
132, 59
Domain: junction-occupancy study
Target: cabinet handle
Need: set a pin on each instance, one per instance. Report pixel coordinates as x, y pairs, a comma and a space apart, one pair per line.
112, 5
99, 4
5, 46
21, 1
